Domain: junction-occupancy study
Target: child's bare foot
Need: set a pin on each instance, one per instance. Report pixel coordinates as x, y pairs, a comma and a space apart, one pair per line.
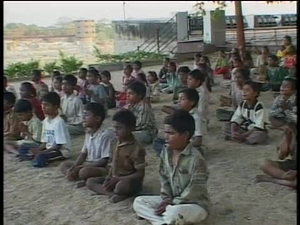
81, 184
117, 198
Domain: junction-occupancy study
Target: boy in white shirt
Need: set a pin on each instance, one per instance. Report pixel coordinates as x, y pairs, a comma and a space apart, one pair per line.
55, 139
71, 106
96, 150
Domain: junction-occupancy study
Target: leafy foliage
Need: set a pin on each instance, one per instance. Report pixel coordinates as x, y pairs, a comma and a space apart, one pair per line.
51, 66
128, 56
20, 69
69, 63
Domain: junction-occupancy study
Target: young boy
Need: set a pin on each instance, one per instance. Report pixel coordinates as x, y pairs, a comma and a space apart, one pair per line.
30, 127
145, 130
109, 88
197, 58
82, 84
162, 75
96, 150
40, 87
137, 68
128, 164
283, 172
95, 91
248, 121
127, 77
183, 176
11, 121
281, 112
172, 79
55, 139
54, 74
71, 106
196, 80
275, 74
183, 73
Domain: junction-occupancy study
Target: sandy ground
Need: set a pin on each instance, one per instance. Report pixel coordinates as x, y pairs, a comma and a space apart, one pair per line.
42, 196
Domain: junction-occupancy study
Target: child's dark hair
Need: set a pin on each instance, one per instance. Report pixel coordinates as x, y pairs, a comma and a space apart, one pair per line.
287, 37
96, 108
153, 74
254, 86
244, 72
52, 98
29, 87
273, 57
238, 59
56, 73
83, 70
9, 97
72, 80
142, 77
191, 95
138, 63
125, 117
167, 59
206, 59
235, 55
181, 121
106, 73
172, 64
138, 87
197, 75
128, 67
183, 69
23, 106
58, 78
292, 82
198, 55
93, 72
36, 73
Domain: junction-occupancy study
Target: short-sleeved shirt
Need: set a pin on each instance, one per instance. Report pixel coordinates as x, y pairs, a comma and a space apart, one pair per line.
128, 157
154, 90
173, 81
99, 91
163, 72
203, 103
250, 117
136, 72
55, 132
35, 127
145, 119
276, 74
198, 123
72, 108
82, 84
277, 111
37, 108
99, 145
11, 123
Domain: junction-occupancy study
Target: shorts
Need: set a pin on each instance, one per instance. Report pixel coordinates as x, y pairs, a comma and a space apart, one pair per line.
287, 165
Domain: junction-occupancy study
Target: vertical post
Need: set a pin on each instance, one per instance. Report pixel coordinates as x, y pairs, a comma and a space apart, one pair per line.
239, 24
157, 39
275, 37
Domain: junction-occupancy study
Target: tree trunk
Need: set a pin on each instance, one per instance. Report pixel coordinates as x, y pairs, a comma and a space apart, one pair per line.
240, 25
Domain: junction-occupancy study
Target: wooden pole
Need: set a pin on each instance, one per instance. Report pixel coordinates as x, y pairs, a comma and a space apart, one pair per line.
240, 25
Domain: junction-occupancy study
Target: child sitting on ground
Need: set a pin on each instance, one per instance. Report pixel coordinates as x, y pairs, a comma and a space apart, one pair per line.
128, 164
54, 74
145, 130
11, 130
127, 78
290, 60
141, 77
222, 64
208, 70
9, 88
57, 86
183, 177
248, 123
281, 112
95, 91
196, 80
162, 75
183, 73
30, 127
153, 86
197, 58
40, 87
275, 74
283, 172
71, 106
137, 68
96, 150
172, 79
56, 143
27, 91
109, 88
82, 84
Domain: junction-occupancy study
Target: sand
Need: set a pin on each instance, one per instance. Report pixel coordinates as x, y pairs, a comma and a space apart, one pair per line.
42, 196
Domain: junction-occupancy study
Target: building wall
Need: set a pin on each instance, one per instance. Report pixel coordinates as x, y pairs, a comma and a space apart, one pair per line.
85, 29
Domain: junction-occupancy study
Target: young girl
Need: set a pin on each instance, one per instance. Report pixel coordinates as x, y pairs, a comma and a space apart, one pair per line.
153, 86
290, 60
222, 64
142, 78
57, 82
27, 91
110, 90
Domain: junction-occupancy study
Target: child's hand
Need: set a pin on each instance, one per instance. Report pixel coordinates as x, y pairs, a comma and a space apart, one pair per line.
161, 208
111, 183
23, 128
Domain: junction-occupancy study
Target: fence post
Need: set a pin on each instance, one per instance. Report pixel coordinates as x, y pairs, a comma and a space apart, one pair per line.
157, 39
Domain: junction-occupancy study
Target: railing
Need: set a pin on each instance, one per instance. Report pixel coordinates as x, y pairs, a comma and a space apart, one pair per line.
164, 36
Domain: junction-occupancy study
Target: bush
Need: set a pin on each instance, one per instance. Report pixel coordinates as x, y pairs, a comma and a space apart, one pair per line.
20, 69
51, 66
69, 63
